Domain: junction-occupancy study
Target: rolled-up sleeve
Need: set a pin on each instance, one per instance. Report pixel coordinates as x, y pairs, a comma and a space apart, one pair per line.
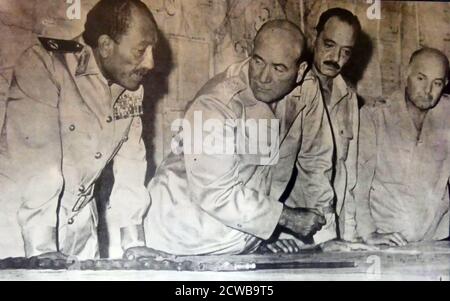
214, 180
130, 200
366, 170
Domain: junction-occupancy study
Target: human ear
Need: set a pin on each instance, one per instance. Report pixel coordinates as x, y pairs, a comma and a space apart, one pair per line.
301, 71
105, 46
313, 38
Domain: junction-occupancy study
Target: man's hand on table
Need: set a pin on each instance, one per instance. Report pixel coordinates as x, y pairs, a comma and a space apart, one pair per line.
50, 260
302, 221
136, 253
346, 246
289, 246
286, 246
390, 239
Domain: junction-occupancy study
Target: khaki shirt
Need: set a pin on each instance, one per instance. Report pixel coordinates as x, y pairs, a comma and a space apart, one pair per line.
226, 203
64, 124
403, 181
343, 112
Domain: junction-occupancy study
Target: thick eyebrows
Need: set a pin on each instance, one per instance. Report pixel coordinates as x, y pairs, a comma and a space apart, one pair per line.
275, 64
442, 79
434, 79
256, 56
145, 43
329, 41
280, 65
423, 74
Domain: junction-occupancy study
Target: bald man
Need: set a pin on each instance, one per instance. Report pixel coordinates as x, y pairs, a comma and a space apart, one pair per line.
218, 191
404, 158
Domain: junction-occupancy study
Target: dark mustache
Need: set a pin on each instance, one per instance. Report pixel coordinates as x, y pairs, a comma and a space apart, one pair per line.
427, 97
141, 72
332, 64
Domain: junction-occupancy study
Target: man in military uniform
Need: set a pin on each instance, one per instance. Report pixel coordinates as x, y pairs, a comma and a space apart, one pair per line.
216, 201
404, 158
73, 107
337, 32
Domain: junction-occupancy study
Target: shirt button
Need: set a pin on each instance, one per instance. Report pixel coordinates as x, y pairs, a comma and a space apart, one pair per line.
70, 221
109, 119
72, 127
98, 155
82, 188
125, 139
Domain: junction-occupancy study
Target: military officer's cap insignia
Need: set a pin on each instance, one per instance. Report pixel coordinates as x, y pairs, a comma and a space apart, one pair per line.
129, 105
56, 45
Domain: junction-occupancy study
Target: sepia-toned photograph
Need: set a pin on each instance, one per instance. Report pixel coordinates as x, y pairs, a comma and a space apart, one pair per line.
224, 140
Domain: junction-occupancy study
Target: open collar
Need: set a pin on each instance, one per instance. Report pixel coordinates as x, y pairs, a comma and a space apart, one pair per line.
340, 89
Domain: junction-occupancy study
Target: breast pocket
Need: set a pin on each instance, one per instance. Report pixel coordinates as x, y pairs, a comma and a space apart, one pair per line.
78, 129
439, 150
343, 140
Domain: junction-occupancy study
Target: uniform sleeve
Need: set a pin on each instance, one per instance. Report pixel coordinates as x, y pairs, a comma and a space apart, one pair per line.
365, 224
352, 157
129, 198
313, 184
349, 223
33, 145
214, 180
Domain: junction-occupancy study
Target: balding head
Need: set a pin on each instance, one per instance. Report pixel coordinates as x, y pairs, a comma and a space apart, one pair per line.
426, 77
276, 60
282, 33
432, 55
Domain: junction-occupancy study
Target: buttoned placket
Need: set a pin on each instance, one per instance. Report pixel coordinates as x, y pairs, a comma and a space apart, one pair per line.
108, 129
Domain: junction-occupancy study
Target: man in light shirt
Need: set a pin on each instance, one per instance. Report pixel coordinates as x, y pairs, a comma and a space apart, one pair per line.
404, 158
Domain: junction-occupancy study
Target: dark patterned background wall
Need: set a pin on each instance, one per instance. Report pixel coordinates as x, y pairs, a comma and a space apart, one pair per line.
202, 37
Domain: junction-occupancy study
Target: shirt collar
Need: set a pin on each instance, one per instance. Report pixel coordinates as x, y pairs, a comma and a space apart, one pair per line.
297, 92
322, 78
86, 63
246, 94
340, 89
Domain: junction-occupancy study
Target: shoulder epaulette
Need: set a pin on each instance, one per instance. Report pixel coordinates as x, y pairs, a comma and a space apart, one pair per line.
56, 45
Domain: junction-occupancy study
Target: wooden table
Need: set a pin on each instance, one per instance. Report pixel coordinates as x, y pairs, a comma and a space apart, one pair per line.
425, 261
